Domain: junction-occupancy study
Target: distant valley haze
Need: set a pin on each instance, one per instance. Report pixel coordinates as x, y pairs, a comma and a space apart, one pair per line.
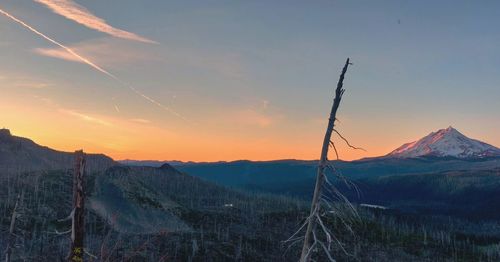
447, 142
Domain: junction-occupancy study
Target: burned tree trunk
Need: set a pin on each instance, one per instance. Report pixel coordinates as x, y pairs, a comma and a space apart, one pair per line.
12, 237
77, 215
320, 178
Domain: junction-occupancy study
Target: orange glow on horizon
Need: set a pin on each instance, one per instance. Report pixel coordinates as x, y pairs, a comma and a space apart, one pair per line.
141, 139
227, 136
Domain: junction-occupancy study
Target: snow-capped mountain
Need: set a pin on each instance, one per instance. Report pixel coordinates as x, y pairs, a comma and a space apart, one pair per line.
446, 142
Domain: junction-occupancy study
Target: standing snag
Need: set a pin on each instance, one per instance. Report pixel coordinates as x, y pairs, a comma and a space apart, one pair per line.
12, 237
77, 215
310, 239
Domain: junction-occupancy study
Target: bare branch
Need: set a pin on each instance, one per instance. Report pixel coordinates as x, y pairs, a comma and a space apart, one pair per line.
327, 252
89, 254
334, 149
62, 233
349, 183
298, 231
331, 236
347, 142
69, 217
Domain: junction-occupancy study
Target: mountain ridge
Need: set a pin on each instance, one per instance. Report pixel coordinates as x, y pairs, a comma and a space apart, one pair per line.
19, 154
447, 142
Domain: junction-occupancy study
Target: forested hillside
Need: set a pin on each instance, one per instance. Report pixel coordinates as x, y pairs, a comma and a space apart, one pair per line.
159, 214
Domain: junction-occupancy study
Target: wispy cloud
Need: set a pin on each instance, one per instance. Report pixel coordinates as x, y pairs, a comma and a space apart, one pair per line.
19, 81
259, 114
108, 52
140, 120
83, 16
57, 53
264, 104
256, 118
93, 65
47, 101
102, 120
103, 51
55, 42
33, 85
85, 117
251, 117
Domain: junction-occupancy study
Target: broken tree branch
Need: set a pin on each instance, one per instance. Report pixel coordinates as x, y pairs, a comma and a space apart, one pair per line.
334, 149
68, 218
347, 142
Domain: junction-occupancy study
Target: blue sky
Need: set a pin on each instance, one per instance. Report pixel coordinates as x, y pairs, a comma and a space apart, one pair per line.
253, 78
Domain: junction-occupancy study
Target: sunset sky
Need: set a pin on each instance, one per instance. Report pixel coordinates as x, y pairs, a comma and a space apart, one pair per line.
227, 80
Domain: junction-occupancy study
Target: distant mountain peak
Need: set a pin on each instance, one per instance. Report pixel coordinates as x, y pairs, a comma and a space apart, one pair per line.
446, 142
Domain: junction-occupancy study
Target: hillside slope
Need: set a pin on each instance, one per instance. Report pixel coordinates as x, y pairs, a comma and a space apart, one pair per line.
18, 154
154, 214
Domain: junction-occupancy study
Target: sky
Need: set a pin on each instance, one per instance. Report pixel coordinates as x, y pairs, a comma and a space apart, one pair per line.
228, 80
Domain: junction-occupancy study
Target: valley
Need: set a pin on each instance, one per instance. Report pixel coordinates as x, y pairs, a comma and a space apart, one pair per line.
246, 210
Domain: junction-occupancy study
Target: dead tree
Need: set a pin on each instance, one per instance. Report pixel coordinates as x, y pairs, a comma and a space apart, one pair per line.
77, 215
12, 236
310, 241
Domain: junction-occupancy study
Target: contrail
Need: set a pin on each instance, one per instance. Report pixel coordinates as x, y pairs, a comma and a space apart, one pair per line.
91, 64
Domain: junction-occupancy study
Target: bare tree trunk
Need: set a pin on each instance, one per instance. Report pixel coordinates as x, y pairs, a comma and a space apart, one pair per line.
11, 238
323, 162
77, 219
